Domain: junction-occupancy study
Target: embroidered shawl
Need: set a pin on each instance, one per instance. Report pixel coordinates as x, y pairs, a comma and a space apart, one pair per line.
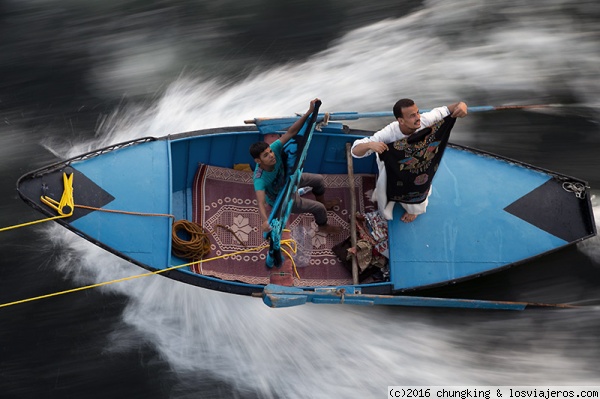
412, 161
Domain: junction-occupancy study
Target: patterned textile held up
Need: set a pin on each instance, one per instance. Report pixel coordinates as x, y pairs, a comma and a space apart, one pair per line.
412, 161
295, 154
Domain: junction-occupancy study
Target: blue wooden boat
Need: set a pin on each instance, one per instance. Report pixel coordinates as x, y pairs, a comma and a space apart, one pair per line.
486, 214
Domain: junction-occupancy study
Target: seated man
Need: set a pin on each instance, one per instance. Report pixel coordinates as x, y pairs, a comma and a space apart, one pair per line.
417, 153
269, 179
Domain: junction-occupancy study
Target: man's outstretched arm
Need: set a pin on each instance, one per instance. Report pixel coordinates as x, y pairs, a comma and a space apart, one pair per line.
295, 128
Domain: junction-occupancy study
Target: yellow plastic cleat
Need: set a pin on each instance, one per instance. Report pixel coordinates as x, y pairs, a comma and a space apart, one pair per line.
66, 205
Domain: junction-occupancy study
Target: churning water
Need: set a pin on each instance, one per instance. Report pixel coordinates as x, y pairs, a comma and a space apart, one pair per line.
481, 52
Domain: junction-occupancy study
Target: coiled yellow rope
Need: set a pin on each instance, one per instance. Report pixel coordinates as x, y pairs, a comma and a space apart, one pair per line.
198, 244
87, 287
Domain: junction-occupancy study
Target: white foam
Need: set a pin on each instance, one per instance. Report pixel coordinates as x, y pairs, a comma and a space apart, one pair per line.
330, 351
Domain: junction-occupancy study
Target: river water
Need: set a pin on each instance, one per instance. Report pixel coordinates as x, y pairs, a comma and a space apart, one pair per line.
81, 75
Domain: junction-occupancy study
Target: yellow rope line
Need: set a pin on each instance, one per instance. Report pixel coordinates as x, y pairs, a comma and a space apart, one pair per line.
293, 249
84, 207
133, 277
65, 208
33, 222
66, 205
293, 263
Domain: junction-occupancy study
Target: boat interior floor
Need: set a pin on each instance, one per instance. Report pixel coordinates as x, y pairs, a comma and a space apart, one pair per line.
224, 203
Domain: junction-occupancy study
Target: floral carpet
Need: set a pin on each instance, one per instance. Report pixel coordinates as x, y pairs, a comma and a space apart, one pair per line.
224, 203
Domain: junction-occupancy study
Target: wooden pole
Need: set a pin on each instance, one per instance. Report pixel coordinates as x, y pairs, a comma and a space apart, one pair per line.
352, 212
348, 116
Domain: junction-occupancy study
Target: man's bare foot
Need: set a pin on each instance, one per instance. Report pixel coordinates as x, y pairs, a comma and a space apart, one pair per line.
408, 217
329, 229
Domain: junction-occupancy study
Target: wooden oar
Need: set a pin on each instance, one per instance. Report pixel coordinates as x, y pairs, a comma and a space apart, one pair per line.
277, 296
280, 124
341, 116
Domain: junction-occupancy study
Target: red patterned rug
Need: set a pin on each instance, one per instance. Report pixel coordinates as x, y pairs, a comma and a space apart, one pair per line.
224, 203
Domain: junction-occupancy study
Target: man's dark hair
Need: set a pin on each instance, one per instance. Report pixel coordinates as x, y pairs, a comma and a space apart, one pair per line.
257, 148
403, 103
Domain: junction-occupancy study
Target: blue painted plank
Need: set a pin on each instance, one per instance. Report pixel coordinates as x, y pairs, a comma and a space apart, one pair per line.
124, 173
465, 230
277, 296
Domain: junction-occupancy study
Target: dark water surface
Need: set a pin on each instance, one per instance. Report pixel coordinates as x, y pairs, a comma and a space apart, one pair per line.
80, 75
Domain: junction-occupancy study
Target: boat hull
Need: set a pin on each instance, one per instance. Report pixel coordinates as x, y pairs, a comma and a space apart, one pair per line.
486, 213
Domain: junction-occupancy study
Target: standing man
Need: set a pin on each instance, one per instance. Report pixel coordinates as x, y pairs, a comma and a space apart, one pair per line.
412, 147
269, 179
